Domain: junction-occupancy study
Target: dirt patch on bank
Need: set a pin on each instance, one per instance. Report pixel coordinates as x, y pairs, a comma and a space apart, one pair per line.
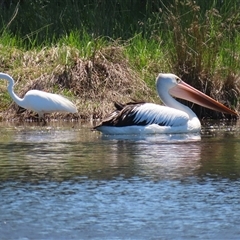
91, 84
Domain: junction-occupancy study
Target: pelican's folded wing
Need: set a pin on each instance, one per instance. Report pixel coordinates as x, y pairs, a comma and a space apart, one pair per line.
143, 114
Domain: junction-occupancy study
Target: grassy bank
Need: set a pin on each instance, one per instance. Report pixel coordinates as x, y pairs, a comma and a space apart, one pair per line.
92, 82
97, 53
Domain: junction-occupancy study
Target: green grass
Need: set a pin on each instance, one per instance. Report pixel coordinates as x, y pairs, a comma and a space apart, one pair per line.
147, 56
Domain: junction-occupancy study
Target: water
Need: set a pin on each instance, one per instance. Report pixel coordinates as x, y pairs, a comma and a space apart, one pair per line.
64, 181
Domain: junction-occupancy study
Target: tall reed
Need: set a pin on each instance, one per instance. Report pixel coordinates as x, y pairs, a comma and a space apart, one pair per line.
205, 48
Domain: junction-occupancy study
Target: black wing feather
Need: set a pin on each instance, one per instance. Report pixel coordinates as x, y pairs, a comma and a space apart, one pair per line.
124, 115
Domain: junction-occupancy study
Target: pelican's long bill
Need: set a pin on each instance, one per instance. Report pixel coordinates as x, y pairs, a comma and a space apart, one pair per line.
184, 91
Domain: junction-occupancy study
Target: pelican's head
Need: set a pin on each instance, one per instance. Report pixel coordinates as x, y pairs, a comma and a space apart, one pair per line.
166, 81
171, 84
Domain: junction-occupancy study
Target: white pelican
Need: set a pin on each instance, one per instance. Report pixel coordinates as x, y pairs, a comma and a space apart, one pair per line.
174, 117
39, 101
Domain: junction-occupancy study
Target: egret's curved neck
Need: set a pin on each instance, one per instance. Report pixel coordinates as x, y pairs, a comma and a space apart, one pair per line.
10, 80
169, 101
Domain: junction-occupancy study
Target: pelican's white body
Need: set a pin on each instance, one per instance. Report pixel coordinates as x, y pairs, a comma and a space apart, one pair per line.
177, 121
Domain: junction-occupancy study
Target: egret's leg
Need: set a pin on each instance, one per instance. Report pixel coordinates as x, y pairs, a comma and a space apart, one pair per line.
41, 117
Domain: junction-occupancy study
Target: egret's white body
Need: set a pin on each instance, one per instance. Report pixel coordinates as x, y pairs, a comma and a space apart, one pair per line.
174, 117
40, 101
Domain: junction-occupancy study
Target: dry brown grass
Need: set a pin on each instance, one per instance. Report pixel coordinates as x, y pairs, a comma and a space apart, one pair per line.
91, 84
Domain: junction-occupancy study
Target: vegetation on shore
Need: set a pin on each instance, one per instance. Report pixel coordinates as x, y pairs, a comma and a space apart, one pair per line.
94, 52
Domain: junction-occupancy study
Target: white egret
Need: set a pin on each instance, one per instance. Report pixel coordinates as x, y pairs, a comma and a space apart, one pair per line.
40, 101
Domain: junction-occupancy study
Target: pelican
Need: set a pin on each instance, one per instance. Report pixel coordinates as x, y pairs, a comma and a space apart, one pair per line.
40, 101
174, 117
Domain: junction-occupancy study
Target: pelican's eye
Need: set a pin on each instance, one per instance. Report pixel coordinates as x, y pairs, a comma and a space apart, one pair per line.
178, 80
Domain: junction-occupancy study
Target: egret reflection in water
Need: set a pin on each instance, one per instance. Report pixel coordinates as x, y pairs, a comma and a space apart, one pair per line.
39, 153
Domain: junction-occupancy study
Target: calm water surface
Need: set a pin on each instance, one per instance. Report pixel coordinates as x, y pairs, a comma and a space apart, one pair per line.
64, 181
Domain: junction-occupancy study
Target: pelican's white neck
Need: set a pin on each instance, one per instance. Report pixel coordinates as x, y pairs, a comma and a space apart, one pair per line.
10, 80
